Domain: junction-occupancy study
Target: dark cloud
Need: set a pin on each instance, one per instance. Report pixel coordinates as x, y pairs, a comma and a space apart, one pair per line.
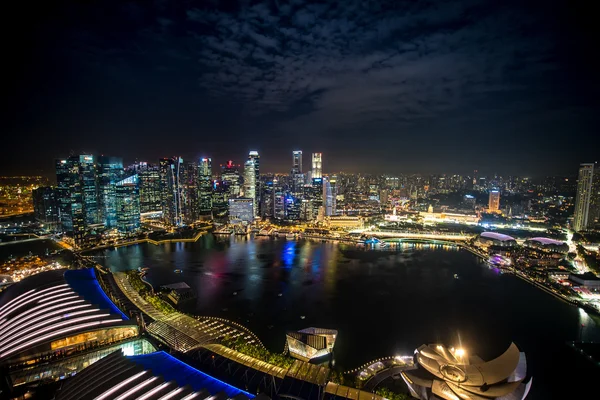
366, 79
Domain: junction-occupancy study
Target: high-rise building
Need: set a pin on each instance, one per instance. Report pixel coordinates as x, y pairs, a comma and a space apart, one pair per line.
250, 181
494, 201
127, 194
241, 210
190, 196
89, 185
150, 190
45, 207
296, 173
71, 198
230, 176
584, 198
329, 195
317, 166
255, 158
279, 205
171, 187
205, 186
110, 171
296, 162
268, 189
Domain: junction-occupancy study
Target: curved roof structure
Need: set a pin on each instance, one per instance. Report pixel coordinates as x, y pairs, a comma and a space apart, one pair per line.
51, 306
454, 376
497, 236
546, 241
151, 376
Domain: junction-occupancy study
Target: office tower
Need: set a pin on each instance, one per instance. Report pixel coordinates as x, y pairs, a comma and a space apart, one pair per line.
585, 187
230, 176
170, 170
329, 193
293, 208
89, 184
110, 171
189, 193
317, 166
296, 162
70, 191
250, 181
45, 207
205, 186
266, 207
255, 158
494, 201
220, 197
127, 204
150, 189
314, 193
296, 173
594, 217
241, 210
279, 205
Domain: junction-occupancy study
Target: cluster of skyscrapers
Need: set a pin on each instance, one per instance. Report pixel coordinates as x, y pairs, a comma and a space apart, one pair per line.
99, 193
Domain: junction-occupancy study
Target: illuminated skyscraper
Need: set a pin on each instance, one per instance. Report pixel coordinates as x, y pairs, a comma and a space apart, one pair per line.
317, 166
205, 186
584, 198
296, 162
150, 190
89, 185
255, 158
250, 182
110, 171
494, 201
45, 206
77, 195
241, 210
329, 195
127, 204
230, 176
170, 177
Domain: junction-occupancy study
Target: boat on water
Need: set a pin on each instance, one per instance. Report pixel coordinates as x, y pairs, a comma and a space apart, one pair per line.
290, 236
178, 271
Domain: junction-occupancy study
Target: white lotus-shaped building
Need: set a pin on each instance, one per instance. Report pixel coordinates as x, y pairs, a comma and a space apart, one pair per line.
451, 374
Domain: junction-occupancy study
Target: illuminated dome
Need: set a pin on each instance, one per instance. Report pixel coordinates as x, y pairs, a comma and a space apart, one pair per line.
451, 374
547, 244
487, 239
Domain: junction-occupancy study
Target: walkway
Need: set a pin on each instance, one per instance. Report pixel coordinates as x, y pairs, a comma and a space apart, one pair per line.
181, 331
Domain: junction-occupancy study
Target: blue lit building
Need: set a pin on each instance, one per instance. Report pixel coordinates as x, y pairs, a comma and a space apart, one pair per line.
110, 170
127, 193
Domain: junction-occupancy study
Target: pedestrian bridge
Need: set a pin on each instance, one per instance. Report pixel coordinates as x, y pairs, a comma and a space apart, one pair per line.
413, 235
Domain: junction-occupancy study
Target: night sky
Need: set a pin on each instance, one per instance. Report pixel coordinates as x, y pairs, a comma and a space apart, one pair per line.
507, 87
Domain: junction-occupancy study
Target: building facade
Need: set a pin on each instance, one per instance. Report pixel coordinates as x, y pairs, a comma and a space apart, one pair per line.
127, 193
494, 201
317, 166
205, 186
241, 210
45, 207
110, 171
584, 198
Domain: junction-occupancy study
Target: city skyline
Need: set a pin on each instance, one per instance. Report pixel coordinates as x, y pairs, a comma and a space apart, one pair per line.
239, 159
501, 87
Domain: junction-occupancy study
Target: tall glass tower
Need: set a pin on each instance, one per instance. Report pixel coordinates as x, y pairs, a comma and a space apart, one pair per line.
127, 204
110, 171
585, 186
250, 182
255, 158
205, 186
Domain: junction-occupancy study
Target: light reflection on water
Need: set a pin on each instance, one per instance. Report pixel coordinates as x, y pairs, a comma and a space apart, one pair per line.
382, 302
